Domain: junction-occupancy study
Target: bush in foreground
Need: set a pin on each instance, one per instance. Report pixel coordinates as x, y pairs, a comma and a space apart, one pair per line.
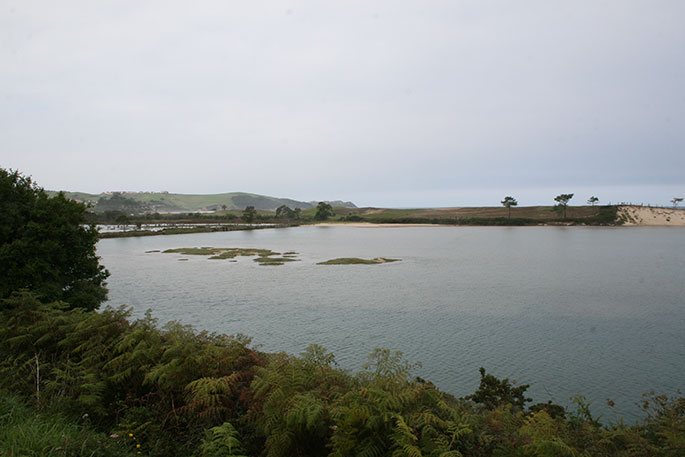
179, 392
45, 245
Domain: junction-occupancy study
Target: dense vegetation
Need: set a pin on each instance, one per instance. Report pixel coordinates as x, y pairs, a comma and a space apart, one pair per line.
181, 393
45, 246
75, 382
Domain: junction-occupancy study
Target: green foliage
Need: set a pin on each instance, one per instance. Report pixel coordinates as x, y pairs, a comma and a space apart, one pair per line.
165, 386
508, 202
294, 400
23, 432
323, 211
562, 202
554, 411
592, 200
119, 203
45, 246
284, 212
352, 217
665, 424
494, 392
542, 433
177, 392
249, 214
221, 441
387, 414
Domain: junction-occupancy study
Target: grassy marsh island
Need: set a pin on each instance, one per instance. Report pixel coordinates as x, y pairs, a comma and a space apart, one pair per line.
267, 257
264, 257
357, 261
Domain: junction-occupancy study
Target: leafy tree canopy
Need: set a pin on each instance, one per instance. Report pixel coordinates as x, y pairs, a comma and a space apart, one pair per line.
562, 201
118, 202
508, 202
494, 392
323, 211
285, 212
249, 214
46, 247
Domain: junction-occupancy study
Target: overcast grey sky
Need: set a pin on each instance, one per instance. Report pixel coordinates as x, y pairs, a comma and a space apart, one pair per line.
385, 103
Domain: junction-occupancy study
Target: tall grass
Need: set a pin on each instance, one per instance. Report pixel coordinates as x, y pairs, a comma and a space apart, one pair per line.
26, 432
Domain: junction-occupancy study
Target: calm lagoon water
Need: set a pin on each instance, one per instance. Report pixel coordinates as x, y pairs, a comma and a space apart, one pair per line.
569, 310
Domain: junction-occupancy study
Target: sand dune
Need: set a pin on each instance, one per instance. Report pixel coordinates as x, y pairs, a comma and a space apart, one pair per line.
645, 215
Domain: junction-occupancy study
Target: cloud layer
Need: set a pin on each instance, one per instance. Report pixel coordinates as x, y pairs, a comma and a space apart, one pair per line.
388, 103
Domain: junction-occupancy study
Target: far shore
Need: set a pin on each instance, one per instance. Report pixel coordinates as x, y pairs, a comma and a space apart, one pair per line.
629, 215
372, 224
624, 215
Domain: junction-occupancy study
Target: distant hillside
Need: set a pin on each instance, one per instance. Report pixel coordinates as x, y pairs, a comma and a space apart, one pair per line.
164, 202
335, 204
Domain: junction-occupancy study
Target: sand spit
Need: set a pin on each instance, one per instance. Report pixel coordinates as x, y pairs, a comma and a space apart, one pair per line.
647, 215
372, 224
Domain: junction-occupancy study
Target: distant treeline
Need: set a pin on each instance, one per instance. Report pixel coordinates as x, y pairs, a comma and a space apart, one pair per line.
117, 217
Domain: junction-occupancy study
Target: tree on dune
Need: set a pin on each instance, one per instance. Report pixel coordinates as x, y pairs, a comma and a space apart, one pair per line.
508, 202
562, 201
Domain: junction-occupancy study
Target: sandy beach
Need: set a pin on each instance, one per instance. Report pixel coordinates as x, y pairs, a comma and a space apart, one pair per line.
651, 216
372, 225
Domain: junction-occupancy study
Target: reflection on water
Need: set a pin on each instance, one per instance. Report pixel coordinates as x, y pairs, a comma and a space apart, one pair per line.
598, 311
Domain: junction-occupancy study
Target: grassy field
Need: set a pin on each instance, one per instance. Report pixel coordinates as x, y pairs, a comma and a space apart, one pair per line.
527, 212
484, 215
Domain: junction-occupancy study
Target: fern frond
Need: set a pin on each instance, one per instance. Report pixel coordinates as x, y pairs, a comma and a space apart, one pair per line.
221, 441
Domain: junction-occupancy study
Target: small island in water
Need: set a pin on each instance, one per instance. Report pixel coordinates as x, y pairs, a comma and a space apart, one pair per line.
357, 261
267, 256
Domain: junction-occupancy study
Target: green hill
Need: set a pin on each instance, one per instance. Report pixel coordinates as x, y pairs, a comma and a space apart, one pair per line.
165, 202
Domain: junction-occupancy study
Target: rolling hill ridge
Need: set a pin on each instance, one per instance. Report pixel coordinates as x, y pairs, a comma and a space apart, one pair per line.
165, 202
